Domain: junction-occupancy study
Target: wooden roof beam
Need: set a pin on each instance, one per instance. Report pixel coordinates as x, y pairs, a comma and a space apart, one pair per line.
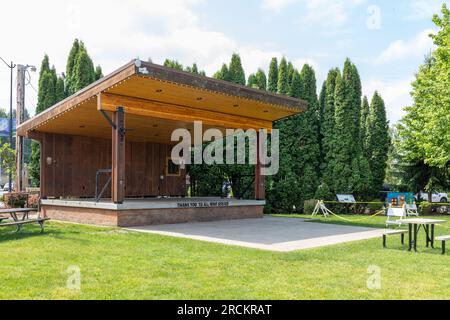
155, 109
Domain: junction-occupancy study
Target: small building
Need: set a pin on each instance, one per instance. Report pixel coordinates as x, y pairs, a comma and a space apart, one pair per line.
105, 151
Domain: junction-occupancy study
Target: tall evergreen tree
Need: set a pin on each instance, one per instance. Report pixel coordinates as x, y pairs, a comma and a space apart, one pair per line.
173, 64
261, 80
80, 71
379, 141
84, 72
70, 66
283, 78
364, 125
272, 85
258, 80
296, 85
344, 130
290, 75
323, 94
223, 73
50, 91
236, 71
252, 81
327, 128
308, 157
60, 93
98, 73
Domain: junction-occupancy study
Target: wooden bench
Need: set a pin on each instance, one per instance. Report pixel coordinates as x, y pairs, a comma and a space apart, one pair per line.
443, 239
19, 224
394, 232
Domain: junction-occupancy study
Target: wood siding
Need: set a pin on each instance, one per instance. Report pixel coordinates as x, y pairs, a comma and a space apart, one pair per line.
76, 159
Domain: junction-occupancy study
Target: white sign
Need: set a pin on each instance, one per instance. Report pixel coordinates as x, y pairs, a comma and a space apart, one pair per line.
210, 204
346, 198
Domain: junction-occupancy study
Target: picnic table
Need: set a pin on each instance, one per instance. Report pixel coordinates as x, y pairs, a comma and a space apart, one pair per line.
14, 213
20, 221
414, 226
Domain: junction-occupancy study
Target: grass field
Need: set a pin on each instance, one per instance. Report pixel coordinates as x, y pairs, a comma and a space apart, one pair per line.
116, 264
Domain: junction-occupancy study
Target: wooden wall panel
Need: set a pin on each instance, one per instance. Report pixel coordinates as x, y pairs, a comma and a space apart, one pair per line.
76, 159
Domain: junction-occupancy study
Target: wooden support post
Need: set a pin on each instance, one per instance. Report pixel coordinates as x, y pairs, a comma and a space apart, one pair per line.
260, 180
118, 156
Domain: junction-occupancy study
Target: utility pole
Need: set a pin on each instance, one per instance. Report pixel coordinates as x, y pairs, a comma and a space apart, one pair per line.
20, 111
11, 67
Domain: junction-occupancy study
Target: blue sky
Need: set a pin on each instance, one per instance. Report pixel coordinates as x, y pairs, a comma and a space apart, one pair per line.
387, 40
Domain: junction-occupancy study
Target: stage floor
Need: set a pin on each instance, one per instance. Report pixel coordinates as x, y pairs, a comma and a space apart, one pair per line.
153, 203
269, 233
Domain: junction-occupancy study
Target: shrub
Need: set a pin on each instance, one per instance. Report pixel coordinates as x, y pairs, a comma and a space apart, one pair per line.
309, 205
15, 200
425, 208
33, 201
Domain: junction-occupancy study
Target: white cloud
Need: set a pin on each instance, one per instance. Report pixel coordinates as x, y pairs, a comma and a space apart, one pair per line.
424, 9
396, 95
418, 46
116, 32
323, 12
276, 5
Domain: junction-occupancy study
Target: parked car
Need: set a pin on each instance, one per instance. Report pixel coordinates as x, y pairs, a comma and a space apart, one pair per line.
6, 186
436, 197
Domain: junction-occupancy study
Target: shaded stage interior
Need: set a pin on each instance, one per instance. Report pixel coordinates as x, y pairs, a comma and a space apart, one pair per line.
154, 194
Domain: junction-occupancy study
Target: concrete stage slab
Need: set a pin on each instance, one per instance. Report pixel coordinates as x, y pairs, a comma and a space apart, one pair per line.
268, 233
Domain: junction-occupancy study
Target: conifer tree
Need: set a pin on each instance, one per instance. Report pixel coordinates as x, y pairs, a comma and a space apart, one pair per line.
296, 85
98, 73
283, 78
308, 158
261, 80
290, 75
272, 85
327, 127
252, 82
236, 71
364, 125
378, 141
223, 73
173, 64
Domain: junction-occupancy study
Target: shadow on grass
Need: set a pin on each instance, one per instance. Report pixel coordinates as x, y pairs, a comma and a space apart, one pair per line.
10, 234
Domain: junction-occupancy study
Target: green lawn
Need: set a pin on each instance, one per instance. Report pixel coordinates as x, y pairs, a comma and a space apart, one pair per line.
116, 264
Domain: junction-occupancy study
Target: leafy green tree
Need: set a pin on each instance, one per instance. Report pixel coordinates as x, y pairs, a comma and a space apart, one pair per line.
236, 71
272, 85
425, 129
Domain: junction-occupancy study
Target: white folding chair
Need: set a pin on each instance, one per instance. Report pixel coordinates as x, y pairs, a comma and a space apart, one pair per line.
395, 213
